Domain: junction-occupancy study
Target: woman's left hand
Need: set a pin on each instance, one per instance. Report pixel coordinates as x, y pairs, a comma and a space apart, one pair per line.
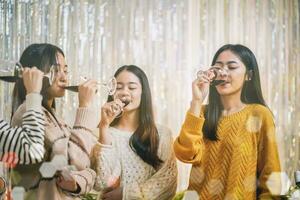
112, 193
69, 184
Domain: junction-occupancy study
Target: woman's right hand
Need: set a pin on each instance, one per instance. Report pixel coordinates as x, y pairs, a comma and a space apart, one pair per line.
200, 86
33, 80
110, 111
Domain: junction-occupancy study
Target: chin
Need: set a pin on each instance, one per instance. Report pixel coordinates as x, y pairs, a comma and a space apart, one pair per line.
223, 91
61, 94
227, 92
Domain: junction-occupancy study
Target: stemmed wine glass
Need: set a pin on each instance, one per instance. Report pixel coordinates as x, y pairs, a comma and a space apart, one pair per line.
17, 72
118, 109
110, 85
217, 75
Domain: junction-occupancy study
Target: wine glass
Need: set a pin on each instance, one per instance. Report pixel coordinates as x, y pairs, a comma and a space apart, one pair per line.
118, 109
17, 71
217, 75
110, 85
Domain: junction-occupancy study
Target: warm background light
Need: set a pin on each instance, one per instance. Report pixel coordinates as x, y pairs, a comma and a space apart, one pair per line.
170, 40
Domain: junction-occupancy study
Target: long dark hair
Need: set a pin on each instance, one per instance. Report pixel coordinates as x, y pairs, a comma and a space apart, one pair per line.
42, 56
144, 141
251, 91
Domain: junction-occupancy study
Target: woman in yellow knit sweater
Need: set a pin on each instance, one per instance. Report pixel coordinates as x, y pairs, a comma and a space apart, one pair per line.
231, 141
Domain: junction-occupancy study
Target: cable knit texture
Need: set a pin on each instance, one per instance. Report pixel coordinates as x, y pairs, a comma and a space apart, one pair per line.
239, 164
138, 179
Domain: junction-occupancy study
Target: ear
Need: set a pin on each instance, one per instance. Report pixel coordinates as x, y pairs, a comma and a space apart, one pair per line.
249, 75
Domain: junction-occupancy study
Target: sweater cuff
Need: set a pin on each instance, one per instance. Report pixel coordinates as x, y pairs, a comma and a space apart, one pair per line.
84, 180
34, 102
85, 117
193, 122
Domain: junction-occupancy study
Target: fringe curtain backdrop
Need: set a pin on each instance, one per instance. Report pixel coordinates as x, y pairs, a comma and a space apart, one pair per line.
170, 40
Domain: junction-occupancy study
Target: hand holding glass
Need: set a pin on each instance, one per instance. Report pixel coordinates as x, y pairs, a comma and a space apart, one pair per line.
217, 75
118, 109
18, 70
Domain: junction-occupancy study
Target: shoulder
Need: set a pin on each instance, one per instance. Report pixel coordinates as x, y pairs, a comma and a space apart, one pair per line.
261, 111
260, 108
261, 115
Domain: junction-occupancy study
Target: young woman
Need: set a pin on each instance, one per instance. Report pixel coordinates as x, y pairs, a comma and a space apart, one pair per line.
74, 143
134, 158
231, 141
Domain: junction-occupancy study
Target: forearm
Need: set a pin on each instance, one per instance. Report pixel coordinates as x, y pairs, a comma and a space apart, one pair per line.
195, 107
106, 165
104, 137
84, 180
33, 102
189, 145
82, 131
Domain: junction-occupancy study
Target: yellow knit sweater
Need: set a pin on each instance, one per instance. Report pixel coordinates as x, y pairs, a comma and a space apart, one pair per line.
237, 166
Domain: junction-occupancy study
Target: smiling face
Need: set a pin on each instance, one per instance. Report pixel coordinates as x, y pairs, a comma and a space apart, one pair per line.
236, 77
129, 87
60, 79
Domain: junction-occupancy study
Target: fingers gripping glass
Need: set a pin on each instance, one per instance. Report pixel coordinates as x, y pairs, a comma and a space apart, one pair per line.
110, 85
18, 71
216, 75
117, 109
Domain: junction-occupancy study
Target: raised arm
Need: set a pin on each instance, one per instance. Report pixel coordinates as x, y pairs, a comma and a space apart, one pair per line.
26, 141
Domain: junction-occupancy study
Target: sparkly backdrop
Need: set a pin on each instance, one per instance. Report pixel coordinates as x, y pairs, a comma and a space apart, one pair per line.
170, 40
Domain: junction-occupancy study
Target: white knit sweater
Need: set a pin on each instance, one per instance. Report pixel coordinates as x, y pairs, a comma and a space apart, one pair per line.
138, 179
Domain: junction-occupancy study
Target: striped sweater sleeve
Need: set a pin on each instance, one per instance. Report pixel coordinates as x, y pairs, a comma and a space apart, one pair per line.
27, 140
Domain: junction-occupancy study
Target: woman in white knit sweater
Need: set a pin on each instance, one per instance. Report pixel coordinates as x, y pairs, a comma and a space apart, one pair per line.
134, 157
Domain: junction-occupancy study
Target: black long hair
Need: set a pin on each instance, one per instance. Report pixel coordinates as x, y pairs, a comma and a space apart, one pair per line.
145, 140
251, 91
42, 56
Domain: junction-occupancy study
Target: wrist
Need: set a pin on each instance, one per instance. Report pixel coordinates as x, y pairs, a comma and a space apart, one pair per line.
103, 125
34, 101
32, 91
195, 107
83, 105
196, 101
104, 136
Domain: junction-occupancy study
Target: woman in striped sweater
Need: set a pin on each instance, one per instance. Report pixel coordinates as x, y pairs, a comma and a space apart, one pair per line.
73, 143
230, 142
25, 144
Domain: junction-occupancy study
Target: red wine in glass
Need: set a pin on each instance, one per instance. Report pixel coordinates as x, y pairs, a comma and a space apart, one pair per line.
217, 75
110, 85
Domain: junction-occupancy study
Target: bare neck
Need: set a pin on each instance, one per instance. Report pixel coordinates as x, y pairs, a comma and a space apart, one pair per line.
50, 102
231, 104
